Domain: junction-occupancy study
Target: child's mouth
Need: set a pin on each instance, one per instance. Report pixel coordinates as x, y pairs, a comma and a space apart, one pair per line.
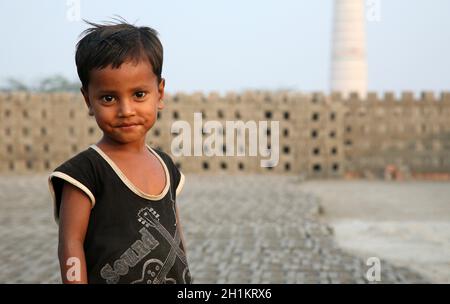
128, 127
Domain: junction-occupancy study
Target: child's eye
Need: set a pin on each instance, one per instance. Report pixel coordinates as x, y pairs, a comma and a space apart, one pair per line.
107, 98
140, 94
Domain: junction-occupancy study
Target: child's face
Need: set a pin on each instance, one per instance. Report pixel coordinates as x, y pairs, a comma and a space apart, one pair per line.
129, 94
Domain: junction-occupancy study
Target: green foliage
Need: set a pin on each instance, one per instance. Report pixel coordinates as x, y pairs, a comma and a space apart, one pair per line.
56, 83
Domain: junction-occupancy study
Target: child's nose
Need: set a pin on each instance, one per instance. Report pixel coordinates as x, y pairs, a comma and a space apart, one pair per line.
126, 108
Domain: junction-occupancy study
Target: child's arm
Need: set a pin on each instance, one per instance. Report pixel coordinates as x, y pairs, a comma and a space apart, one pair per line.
181, 230
73, 222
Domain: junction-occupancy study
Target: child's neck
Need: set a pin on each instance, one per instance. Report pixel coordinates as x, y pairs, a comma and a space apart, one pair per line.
128, 148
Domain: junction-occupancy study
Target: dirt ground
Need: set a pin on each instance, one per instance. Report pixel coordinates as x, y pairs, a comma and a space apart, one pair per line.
406, 223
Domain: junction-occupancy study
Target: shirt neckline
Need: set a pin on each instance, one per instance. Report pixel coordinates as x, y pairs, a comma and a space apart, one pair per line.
128, 183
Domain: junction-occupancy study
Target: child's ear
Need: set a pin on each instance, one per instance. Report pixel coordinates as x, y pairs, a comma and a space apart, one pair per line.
87, 101
161, 86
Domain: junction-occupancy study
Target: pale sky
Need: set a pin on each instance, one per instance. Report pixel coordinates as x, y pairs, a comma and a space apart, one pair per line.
227, 45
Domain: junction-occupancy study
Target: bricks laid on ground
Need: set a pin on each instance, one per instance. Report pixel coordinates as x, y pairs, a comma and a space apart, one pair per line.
238, 229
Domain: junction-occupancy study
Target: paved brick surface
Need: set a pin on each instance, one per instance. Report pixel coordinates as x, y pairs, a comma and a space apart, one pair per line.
238, 229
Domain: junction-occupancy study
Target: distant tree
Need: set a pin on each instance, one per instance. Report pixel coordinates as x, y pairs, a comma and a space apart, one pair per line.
56, 83
15, 85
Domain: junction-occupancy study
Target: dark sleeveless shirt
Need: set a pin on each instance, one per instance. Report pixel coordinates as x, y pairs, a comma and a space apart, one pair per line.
132, 236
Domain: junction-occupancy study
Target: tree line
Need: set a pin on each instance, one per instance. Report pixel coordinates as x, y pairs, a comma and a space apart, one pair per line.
56, 83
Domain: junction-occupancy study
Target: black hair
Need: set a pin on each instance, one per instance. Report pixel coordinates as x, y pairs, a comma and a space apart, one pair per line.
114, 43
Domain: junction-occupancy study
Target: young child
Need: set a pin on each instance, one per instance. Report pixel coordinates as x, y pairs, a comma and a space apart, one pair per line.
115, 202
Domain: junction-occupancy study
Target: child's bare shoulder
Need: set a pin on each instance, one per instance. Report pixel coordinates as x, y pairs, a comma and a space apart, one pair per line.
74, 180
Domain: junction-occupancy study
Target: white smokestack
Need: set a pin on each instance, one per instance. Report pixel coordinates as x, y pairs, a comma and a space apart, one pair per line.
349, 63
